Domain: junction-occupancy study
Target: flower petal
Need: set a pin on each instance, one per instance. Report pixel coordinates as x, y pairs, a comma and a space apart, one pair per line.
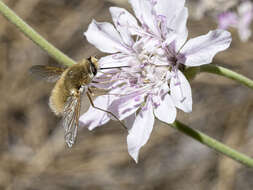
150, 44
139, 134
104, 36
126, 105
105, 83
169, 9
181, 92
124, 22
116, 60
94, 117
144, 12
201, 50
129, 121
180, 28
166, 111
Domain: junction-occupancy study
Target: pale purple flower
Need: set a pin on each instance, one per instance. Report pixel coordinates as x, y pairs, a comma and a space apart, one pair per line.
177, 51
240, 19
245, 16
203, 8
153, 85
227, 19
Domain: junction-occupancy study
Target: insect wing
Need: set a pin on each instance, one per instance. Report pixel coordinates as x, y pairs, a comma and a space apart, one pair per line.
98, 91
71, 119
48, 73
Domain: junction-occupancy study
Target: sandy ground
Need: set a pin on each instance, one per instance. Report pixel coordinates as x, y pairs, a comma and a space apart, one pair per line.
32, 150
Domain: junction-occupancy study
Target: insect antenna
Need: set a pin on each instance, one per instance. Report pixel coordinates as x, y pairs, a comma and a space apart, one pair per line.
104, 68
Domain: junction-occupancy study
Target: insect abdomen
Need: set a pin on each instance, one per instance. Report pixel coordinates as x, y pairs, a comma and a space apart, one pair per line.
58, 97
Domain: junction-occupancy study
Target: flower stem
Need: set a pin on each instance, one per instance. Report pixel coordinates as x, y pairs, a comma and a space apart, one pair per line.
218, 70
34, 36
212, 143
227, 73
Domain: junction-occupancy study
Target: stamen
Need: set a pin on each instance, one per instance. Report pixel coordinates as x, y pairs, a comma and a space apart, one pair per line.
184, 98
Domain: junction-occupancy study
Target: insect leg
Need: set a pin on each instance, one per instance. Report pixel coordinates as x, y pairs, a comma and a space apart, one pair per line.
90, 92
92, 104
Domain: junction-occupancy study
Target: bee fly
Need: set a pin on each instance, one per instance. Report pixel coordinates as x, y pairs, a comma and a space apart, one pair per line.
65, 99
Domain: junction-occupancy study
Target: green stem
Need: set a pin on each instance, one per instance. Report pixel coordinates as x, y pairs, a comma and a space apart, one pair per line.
212, 143
218, 70
227, 73
34, 36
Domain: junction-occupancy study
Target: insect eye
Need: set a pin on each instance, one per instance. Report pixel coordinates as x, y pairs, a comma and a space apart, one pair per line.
93, 69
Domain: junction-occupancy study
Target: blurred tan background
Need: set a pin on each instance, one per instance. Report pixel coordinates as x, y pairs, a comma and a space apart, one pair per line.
33, 155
